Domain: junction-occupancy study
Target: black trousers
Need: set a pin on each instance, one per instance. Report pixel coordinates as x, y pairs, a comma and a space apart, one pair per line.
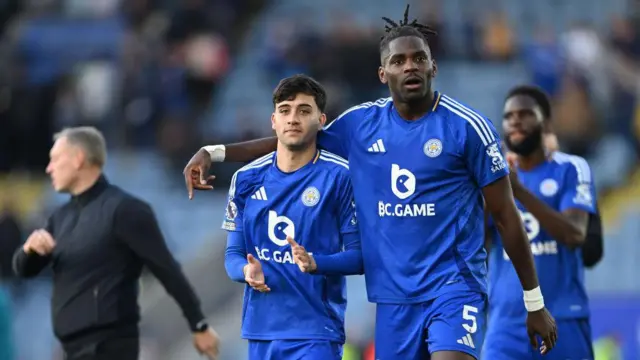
110, 349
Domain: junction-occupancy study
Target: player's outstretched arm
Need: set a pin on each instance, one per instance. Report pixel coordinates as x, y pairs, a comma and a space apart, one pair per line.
347, 262
197, 169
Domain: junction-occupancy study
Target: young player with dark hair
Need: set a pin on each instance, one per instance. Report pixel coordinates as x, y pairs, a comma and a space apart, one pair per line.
293, 207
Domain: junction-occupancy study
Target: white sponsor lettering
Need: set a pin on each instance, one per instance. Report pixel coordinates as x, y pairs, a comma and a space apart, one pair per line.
280, 257
497, 160
406, 210
539, 248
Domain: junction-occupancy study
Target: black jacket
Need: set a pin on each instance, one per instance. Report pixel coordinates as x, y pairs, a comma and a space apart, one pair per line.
103, 238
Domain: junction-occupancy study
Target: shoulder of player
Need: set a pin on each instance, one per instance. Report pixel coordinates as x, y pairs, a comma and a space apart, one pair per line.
243, 176
462, 119
331, 161
572, 163
362, 110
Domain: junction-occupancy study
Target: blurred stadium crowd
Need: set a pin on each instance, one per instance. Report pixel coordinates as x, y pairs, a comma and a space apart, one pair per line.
163, 77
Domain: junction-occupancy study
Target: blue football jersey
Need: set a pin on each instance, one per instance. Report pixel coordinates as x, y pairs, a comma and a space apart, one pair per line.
562, 182
417, 186
314, 205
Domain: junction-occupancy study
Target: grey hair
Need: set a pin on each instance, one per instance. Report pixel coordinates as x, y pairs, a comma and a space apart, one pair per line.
90, 140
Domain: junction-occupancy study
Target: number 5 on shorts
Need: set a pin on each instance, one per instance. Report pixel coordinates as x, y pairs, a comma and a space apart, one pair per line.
468, 313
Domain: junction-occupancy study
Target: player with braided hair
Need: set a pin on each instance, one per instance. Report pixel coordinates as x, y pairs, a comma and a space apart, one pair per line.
421, 164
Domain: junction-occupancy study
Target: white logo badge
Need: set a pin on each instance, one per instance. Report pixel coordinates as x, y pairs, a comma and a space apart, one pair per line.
432, 148
310, 196
531, 225
548, 187
497, 161
403, 182
583, 195
279, 228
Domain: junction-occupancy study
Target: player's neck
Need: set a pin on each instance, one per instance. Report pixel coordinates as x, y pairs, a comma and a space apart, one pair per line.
411, 111
532, 160
291, 160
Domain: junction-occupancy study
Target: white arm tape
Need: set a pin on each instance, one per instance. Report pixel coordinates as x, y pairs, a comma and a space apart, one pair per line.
533, 300
216, 152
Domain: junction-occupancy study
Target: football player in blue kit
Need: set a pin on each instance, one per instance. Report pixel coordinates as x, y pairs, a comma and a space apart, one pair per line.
555, 195
293, 235
421, 164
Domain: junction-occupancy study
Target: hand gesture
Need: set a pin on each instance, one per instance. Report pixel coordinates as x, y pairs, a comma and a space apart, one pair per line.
207, 343
541, 323
39, 242
196, 172
301, 257
253, 274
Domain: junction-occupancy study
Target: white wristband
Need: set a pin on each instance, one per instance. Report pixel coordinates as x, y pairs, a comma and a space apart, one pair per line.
216, 152
533, 300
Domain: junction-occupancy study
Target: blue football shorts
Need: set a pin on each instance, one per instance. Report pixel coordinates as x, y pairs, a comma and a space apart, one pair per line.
451, 322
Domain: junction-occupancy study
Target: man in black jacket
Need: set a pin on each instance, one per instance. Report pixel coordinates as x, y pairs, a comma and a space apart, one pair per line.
97, 244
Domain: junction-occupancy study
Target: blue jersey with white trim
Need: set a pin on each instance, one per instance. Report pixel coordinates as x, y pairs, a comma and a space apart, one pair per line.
418, 186
314, 205
562, 182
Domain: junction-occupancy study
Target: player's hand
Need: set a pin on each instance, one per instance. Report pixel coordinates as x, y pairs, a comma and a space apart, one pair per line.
39, 242
306, 263
541, 323
253, 274
196, 173
207, 343
551, 142
511, 159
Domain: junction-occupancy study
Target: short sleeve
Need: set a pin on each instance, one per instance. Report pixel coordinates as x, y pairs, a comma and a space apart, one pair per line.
578, 190
346, 206
483, 154
336, 136
234, 210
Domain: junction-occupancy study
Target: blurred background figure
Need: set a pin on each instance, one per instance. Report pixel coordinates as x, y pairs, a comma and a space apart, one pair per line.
161, 78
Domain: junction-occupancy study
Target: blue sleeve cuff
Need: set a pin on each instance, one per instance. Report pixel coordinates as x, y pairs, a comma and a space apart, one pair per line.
348, 262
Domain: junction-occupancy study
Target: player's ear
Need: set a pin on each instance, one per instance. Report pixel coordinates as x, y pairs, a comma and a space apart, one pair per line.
382, 75
323, 120
273, 121
434, 68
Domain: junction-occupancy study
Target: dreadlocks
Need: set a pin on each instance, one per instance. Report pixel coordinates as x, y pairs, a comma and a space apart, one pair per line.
403, 28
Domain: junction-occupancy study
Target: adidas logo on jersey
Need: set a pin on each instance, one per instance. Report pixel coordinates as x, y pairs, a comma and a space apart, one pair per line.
467, 340
260, 194
377, 147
